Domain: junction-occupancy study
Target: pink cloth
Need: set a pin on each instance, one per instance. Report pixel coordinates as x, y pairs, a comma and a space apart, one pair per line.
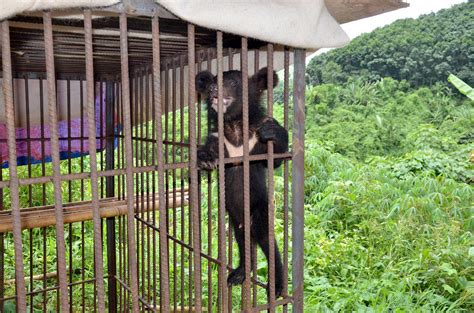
35, 146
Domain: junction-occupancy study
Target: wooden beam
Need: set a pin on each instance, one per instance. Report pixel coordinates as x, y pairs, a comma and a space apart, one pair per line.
82, 211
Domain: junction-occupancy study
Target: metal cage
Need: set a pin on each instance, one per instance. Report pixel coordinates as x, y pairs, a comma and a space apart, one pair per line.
102, 206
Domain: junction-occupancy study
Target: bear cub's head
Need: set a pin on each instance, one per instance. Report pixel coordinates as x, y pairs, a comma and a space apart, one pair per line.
206, 85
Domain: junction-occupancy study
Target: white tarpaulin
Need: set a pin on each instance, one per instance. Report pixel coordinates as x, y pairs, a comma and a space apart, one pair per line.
297, 23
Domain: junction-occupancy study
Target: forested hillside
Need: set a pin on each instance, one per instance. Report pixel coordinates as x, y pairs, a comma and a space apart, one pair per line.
389, 170
422, 51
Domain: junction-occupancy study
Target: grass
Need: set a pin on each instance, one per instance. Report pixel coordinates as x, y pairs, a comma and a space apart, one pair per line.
388, 208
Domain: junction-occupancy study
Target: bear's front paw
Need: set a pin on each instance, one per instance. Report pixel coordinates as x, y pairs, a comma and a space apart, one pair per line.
267, 131
206, 160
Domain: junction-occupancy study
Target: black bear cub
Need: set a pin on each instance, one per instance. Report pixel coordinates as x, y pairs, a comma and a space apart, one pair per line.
261, 129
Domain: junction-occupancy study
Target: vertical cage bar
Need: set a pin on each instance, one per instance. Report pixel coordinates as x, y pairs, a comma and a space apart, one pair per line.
285, 175
210, 234
155, 152
182, 159
69, 184
30, 189
132, 257
110, 192
43, 173
163, 238
28, 136
83, 285
254, 244
101, 134
222, 295
199, 142
271, 203
190, 208
245, 130
141, 179
196, 227
53, 122
229, 231
298, 179
173, 174
14, 183
98, 259
149, 197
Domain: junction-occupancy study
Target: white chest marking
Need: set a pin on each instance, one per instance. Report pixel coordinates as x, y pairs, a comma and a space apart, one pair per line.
238, 151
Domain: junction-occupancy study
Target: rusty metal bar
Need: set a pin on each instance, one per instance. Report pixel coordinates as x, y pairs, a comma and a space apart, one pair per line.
182, 159
69, 184
83, 261
271, 187
164, 271
154, 278
132, 260
101, 132
36, 292
203, 255
98, 259
210, 235
199, 61
229, 231
110, 192
53, 122
43, 173
193, 169
173, 174
222, 294
149, 234
245, 129
263, 307
14, 184
140, 181
115, 172
254, 244
285, 176
298, 180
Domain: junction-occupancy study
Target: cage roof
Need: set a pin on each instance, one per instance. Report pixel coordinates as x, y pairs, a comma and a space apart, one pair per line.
296, 23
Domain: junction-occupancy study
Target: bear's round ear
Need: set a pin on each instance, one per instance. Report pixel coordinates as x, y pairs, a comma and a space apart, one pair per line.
261, 79
203, 81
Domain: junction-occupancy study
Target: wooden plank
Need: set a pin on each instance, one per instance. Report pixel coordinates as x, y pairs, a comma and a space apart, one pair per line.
82, 211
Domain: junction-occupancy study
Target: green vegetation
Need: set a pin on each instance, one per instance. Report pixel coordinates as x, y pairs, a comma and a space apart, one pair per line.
422, 51
389, 170
388, 199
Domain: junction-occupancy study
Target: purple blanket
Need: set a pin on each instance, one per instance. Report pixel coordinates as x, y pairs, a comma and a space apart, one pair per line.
35, 146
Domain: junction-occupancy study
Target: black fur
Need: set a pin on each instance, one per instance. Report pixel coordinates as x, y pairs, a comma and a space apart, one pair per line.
265, 129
